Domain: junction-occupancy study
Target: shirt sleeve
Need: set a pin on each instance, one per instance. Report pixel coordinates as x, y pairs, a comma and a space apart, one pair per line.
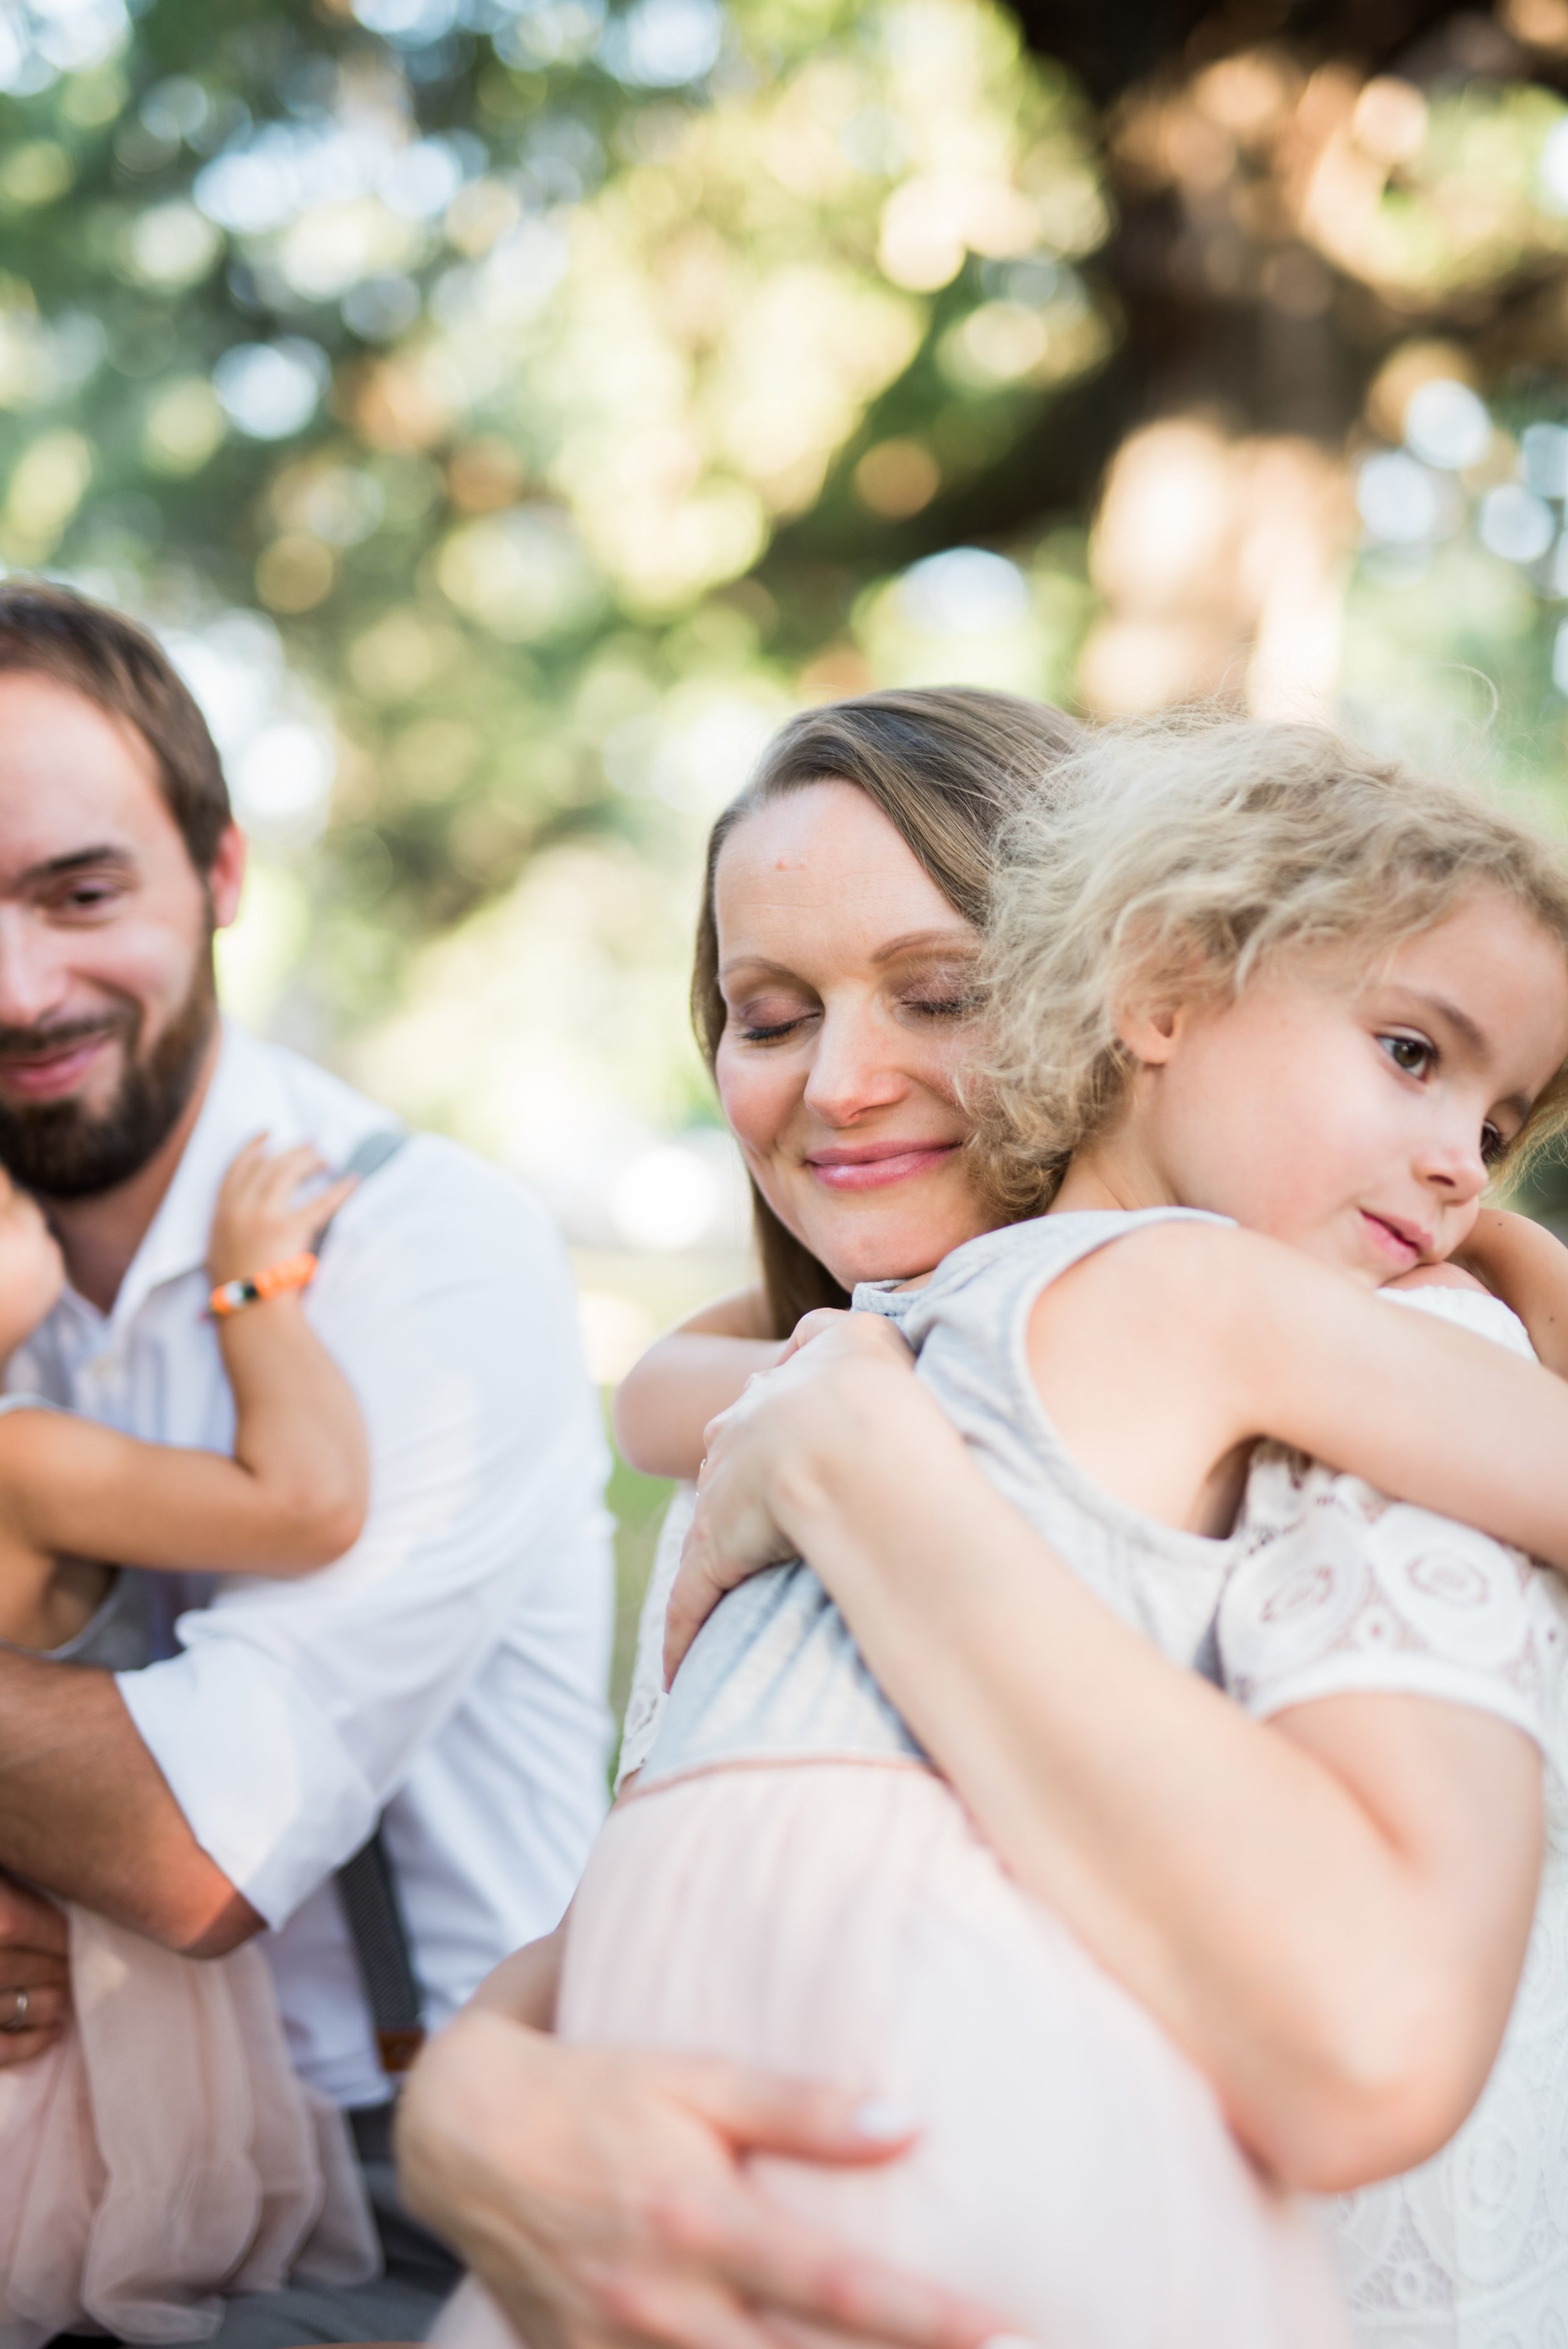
645, 1705
297, 1707
1340, 1591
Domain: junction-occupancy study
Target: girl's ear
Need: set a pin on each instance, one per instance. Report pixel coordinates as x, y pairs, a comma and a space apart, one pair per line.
1148, 1031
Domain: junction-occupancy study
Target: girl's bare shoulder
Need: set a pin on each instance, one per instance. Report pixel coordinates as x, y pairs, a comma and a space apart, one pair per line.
1166, 1293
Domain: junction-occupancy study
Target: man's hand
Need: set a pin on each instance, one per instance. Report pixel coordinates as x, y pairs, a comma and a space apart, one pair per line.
766, 1441
35, 1980
603, 2197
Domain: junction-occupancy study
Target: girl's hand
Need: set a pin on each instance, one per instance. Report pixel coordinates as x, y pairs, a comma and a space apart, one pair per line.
762, 1442
603, 2196
260, 1219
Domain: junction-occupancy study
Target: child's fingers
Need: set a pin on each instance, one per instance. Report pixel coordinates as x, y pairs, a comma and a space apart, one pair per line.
324, 1204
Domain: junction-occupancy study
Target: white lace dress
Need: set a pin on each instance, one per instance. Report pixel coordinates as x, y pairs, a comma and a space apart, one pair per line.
1339, 1590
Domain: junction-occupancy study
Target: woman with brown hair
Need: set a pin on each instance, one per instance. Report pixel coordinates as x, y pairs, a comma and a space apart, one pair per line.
602, 2194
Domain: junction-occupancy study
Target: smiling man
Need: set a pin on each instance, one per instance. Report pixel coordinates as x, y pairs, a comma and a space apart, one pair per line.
447, 1677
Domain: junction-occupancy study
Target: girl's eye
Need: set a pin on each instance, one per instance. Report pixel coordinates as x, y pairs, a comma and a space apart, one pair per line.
1492, 1145
1411, 1054
938, 1007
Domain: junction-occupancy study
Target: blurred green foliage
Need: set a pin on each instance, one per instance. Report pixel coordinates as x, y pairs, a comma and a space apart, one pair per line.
527, 396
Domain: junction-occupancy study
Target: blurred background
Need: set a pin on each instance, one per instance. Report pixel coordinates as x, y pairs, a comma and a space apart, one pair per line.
507, 411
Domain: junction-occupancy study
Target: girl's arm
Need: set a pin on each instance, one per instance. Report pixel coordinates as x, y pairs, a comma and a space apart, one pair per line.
1521, 1262
294, 1495
688, 1378
1329, 1911
1204, 1337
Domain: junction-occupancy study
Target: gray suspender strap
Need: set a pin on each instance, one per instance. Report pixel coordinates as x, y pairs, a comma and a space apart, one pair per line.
367, 1887
368, 1893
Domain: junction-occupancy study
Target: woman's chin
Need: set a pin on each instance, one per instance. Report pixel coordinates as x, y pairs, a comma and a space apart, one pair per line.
892, 1247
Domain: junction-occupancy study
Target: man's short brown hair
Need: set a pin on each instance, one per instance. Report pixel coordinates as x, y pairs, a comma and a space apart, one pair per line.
47, 631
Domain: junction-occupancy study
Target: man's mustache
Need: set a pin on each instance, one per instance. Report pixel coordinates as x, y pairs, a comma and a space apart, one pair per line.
37, 1043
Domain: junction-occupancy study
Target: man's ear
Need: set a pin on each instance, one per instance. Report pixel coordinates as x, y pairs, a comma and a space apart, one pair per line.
227, 877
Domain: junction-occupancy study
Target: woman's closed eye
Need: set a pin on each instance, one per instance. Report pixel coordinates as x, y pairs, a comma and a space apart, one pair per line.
765, 1021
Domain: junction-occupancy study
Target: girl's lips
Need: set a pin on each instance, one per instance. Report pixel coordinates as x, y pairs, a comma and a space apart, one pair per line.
1399, 1243
873, 1172
46, 1078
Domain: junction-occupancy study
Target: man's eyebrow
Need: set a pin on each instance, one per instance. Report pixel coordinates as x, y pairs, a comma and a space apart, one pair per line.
76, 860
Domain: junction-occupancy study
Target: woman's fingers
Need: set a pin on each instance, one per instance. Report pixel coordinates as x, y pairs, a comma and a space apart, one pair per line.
782, 2267
811, 2120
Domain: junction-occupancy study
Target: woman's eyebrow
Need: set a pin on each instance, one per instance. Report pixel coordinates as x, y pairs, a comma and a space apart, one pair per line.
951, 941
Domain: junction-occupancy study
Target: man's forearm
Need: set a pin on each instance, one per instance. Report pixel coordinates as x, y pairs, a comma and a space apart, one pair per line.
87, 1814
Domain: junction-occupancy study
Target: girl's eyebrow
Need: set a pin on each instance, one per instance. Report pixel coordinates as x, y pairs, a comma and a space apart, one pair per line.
1472, 1036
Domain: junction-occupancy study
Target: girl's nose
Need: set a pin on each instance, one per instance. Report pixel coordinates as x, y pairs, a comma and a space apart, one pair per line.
1453, 1165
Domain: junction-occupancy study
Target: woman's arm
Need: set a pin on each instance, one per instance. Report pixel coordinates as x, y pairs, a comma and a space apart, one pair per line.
1346, 2030
294, 1496
688, 1378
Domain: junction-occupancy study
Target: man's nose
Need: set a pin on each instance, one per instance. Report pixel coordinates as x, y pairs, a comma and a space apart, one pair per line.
33, 972
853, 1070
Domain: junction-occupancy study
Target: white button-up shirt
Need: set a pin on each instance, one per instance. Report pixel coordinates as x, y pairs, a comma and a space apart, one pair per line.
451, 1668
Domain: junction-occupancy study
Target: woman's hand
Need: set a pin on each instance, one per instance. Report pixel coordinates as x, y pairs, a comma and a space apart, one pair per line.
261, 1219
841, 1366
603, 2197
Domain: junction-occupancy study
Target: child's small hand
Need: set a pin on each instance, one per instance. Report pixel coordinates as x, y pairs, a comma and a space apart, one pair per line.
260, 1219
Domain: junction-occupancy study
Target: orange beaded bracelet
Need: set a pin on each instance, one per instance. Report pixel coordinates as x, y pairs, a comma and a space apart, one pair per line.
233, 1296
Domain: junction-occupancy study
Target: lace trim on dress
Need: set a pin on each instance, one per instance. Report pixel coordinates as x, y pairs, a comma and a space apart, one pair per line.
1341, 1589
645, 1705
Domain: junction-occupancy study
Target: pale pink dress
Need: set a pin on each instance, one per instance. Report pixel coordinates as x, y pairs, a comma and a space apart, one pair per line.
163, 2155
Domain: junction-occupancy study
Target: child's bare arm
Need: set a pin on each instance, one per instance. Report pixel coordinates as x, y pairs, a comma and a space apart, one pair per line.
293, 1496
1526, 1265
686, 1377
1205, 1339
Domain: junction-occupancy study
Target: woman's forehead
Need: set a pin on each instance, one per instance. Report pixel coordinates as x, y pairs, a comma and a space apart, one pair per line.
824, 856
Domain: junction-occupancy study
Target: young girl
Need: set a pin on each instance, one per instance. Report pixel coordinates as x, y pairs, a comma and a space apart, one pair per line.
1216, 1045
162, 2152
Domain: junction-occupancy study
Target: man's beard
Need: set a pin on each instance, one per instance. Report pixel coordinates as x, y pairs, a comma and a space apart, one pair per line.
63, 1150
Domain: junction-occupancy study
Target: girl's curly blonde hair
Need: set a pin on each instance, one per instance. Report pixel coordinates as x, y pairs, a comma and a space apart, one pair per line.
1172, 860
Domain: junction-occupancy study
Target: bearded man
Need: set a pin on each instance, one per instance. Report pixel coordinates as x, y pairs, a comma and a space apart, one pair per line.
446, 1678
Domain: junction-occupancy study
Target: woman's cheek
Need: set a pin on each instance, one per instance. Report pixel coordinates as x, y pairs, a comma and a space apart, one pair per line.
756, 1096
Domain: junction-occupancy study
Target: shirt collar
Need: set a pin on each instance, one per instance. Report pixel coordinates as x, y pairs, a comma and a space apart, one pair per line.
246, 1096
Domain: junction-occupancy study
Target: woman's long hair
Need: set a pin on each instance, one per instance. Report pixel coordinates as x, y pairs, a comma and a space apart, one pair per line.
948, 766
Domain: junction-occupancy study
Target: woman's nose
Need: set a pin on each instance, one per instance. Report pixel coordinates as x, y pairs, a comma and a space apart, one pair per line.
851, 1070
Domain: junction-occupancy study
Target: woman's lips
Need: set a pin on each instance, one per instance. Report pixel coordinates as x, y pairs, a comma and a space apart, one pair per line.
873, 1168
46, 1076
